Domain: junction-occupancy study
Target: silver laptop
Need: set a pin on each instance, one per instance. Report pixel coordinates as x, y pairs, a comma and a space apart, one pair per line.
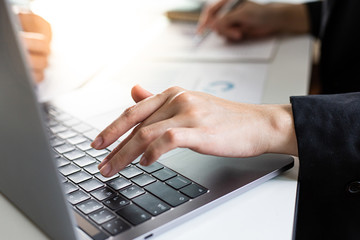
49, 172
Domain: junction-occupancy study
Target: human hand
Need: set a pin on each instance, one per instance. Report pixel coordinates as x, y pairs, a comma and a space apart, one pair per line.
253, 20
37, 37
195, 120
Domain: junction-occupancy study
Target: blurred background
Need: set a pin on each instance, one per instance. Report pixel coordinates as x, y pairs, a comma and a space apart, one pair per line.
89, 35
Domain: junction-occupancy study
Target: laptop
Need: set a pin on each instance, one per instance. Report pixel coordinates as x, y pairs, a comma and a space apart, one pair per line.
48, 171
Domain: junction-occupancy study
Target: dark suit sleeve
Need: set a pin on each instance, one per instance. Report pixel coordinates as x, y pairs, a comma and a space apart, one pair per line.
328, 133
314, 12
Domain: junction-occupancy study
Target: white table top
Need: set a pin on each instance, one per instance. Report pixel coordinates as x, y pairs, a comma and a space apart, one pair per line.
265, 212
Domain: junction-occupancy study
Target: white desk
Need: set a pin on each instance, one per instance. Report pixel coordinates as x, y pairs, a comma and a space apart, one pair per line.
265, 212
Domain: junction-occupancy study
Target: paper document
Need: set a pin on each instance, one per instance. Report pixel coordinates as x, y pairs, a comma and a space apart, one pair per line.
176, 42
233, 81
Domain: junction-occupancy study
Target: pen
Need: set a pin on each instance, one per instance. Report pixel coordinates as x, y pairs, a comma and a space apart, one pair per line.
229, 6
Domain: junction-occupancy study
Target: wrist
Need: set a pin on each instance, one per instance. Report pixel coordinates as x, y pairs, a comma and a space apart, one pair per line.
282, 138
288, 18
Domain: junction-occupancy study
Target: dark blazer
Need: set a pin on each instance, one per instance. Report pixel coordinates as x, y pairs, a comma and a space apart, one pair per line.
328, 129
328, 134
337, 24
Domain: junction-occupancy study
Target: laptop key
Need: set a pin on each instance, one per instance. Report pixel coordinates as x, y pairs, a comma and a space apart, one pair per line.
130, 172
55, 154
89, 227
91, 134
103, 193
143, 180
58, 128
164, 174
64, 148
84, 146
96, 153
84, 161
132, 191
102, 157
178, 182
69, 187
151, 204
79, 177
152, 168
56, 142
118, 183
116, 202
194, 190
134, 214
102, 216
92, 169
113, 146
77, 139
89, 206
167, 194
62, 178
115, 226
105, 179
69, 169
74, 154
91, 185
52, 123
61, 161
77, 197
67, 134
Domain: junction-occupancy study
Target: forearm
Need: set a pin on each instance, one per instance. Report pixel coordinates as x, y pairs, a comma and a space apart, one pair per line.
289, 18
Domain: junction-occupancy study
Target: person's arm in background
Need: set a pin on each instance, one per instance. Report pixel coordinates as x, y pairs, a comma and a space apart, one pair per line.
37, 35
253, 20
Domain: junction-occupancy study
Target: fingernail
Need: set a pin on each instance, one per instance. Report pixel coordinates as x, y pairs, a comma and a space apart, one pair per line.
97, 142
102, 163
143, 161
105, 170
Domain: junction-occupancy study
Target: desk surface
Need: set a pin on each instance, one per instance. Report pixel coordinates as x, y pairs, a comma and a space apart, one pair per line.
265, 212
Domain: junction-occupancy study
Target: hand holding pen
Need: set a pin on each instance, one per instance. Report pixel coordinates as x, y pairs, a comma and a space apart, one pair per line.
238, 20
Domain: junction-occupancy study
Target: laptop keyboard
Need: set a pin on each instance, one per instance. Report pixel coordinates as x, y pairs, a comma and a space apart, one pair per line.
135, 195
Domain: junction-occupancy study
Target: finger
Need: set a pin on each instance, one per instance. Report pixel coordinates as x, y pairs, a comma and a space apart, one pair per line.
171, 139
233, 34
163, 113
230, 26
38, 62
129, 118
113, 152
36, 43
138, 93
209, 15
38, 76
136, 146
31, 22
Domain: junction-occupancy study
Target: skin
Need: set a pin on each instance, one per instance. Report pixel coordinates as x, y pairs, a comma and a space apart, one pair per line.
195, 120
253, 20
36, 35
201, 122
